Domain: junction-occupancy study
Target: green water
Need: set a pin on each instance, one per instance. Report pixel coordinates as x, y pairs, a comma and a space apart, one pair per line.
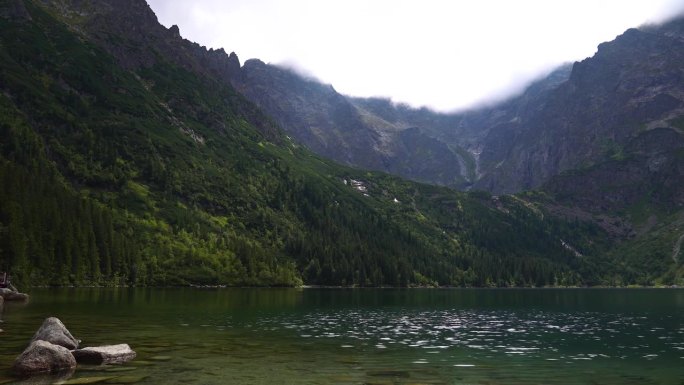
366, 336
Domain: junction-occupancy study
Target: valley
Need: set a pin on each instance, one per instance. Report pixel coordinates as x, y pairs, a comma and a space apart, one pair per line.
132, 156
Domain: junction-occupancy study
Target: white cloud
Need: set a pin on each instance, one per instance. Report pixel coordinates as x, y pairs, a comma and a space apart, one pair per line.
440, 53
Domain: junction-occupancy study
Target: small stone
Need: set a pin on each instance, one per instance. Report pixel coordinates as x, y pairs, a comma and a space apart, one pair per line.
160, 358
43, 356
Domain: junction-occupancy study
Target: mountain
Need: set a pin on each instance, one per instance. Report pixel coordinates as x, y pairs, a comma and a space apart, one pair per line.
347, 130
631, 85
599, 139
377, 134
608, 146
576, 116
127, 157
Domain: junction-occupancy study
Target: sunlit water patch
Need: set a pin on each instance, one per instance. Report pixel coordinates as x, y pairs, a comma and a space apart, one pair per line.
312, 336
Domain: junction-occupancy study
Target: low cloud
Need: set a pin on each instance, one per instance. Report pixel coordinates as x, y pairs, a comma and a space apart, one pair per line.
445, 55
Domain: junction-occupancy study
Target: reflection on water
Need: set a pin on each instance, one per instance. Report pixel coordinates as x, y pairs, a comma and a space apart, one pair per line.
366, 336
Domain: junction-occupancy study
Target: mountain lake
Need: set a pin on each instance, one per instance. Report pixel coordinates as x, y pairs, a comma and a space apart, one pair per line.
363, 336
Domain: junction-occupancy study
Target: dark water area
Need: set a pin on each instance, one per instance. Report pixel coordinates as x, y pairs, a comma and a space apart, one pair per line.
365, 336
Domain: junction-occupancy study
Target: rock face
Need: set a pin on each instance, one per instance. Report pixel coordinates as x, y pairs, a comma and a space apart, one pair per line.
42, 356
110, 354
367, 133
654, 158
631, 85
53, 330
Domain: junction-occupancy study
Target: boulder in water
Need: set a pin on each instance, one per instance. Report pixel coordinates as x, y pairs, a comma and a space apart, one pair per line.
42, 356
17, 297
109, 354
12, 295
53, 330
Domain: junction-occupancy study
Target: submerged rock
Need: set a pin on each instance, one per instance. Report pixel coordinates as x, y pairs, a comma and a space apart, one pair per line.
87, 380
45, 378
389, 373
129, 379
53, 330
110, 354
42, 356
160, 358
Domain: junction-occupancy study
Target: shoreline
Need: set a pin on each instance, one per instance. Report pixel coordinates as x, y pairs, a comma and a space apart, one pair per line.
357, 287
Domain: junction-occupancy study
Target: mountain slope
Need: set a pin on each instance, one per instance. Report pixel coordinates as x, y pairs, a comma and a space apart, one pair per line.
632, 84
638, 198
348, 131
576, 116
601, 138
128, 158
377, 134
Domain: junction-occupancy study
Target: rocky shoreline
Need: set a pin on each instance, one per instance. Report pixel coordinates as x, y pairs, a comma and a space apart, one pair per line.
54, 350
12, 294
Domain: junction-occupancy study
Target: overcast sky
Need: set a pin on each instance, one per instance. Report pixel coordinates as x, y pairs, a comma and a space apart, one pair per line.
438, 53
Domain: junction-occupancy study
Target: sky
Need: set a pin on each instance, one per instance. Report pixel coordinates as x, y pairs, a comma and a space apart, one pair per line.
444, 54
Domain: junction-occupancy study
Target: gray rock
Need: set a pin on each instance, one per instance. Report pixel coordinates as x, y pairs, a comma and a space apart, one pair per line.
5, 291
42, 356
109, 354
17, 297
53, 330
12, 295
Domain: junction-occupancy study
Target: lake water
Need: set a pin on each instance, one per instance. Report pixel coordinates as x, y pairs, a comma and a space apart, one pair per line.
366, 336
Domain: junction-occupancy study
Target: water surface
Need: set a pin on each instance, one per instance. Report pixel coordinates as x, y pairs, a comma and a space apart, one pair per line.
367, 336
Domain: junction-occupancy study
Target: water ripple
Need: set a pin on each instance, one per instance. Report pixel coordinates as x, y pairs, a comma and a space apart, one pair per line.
578, 336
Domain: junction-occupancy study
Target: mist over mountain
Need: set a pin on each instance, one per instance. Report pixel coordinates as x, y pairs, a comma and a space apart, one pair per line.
562, 122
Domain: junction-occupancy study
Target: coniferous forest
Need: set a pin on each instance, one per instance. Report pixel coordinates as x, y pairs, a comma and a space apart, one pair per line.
160, 175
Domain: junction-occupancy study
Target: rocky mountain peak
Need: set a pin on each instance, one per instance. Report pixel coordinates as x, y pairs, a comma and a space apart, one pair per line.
136, 25
175, 31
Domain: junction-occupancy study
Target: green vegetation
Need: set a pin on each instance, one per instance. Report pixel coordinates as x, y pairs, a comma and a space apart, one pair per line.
163, 176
